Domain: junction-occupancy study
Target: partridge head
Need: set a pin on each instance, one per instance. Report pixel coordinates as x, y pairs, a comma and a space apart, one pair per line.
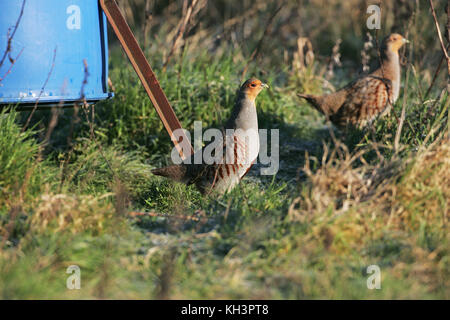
239, 146
361, 101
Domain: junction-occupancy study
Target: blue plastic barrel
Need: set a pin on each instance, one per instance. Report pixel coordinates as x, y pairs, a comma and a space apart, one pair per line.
75, 30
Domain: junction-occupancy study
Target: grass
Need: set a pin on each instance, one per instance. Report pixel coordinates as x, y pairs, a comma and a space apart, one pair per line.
335, 207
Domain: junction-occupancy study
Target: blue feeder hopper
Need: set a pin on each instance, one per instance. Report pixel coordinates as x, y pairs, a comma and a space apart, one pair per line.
46, 44
52, 40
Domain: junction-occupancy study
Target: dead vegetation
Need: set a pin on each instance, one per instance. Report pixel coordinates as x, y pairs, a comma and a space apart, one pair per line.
94, 203
398, 189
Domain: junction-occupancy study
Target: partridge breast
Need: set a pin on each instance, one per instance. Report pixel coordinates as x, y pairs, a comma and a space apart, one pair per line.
239, 153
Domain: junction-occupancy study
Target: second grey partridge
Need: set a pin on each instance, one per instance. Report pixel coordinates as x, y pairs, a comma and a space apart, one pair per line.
361, 101
240, 148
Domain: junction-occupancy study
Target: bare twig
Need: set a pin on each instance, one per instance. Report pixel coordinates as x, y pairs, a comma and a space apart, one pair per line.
85, 107
10, 37
147, 20
365, 56
438, 99
405, 90
435, 75
90, 122
75, 119
258, 47
335, 60
53, 121
41, 92
180, 32
448, 22
13, 61
402, 115
436, 127
441, 41
111, 85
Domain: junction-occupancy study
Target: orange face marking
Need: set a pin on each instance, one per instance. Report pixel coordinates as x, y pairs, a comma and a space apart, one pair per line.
395, 41
252, 87
253, 84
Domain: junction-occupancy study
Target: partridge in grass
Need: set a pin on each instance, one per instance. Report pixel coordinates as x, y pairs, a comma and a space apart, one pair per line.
239, 146
361, 101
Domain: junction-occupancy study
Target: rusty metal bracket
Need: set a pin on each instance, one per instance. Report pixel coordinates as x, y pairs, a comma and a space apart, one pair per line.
145, 72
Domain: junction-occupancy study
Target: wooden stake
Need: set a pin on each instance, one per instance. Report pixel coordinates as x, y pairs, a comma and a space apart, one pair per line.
145, 72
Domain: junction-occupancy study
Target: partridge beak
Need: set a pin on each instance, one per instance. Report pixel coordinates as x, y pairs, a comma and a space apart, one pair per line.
264, 85
405, 40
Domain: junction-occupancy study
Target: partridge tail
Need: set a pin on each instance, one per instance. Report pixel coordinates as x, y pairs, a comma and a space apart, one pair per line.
175, 172
315, 101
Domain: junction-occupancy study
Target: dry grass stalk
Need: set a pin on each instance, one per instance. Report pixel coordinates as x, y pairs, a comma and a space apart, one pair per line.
74, 214
304, 55
337, 184
13, 61
10, 37
181, 30
438, 30
146, 26
41, 92
436, 73
397, 189
335, 59
365, 55
258, 47
403, 113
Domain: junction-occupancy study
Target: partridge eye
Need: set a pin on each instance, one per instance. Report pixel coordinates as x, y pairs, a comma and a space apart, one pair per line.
253, 85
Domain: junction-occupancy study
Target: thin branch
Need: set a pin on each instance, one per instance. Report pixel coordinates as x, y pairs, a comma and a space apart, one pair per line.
440, 36
435, 75
53, 122
180, 32
147, 20
11, 66
402, 115
258, 47
10, 38
91, 122
41, 92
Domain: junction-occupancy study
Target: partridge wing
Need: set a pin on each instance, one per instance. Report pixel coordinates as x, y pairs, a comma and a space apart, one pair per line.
366, 98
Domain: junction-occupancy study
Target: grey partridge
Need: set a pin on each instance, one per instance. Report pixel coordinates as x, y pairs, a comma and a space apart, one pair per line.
240, 148
361, 101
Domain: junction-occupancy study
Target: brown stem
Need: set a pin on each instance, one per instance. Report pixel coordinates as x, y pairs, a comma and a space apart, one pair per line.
147, 19
402, 115
258, 47
440, 36
180, 32
41, 92
12, 64
10, 38
435, 74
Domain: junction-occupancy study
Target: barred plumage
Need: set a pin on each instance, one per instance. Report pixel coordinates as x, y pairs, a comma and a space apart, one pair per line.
361, 101
240, 148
